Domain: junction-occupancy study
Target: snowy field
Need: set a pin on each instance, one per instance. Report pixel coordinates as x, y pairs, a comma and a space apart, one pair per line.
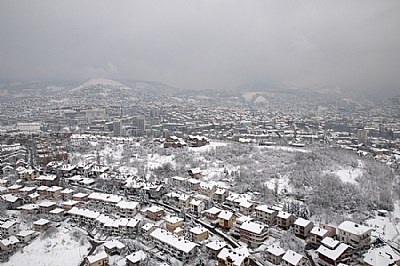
61, 249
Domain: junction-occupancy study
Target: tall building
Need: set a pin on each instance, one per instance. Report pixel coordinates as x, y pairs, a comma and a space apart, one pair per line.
117, 127
362, 136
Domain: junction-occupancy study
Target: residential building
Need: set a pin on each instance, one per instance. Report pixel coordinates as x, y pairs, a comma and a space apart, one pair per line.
302, 227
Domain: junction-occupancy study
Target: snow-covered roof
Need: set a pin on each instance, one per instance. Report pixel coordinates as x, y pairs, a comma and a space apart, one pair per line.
333, 254
195, 202
318, 231
226, 215
114, 244
41, 222
354, 228
148, 226
284, 215
173, 219
213, 210
216, 245
137, 256
236, 257
9, 241
80, 195
265, 208
9, 198
154, 208
131, 205
276, 250
54, 189
25, 233
329, 242
105, 197
97, 257
46, 177
57, 211
302, 222
246, 204
172, 240
198, 230
46, 204
252, 227
292, 257
85, 213
381, 256
8, 224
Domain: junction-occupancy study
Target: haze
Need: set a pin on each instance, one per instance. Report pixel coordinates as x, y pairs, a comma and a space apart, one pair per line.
351, 45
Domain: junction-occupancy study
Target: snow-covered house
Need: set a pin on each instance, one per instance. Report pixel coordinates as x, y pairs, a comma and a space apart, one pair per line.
381, 256
207, 189
292, 258
136, 258
175, 246
226, 219
114, 247
197, 207
10, 201
356, 235
193, 184
302, 227
317, 234
147, 229
41, 225
171, 223
127, 209
199, 233
26, 235
332, 252
9, 244
195, 173
184, 201
253, 234
48, 180
246, 207
154, 213
220, 195
104, 201
275, 254
8, 228
83, 216
54, 192
66, 194
265, 214
228, 257
80, 196
284, 220
46, 206
215, 247
100, 259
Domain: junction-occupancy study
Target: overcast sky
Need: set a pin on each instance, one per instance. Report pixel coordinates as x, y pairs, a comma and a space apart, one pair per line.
205, 44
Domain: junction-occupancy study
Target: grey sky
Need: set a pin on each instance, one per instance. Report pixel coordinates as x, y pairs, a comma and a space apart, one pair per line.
205, 44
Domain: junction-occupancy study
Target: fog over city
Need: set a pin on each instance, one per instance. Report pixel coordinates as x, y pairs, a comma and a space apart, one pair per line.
347, 45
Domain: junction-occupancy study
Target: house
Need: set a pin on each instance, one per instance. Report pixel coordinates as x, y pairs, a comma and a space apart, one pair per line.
57, 214
171, 223
284, 220
41, 225
83, 216
266, 215
114, 247
80, 197
147, 229
184, 201
302, 227
228, 257
69, 204
127, 209
356, 235
66, 194
154, 213
29, 209
136, 259
54, 192
26, 236
292, 258
46, 206
128, 226
226, 219
14, 189
193, 184
178, 182
197, 207
104, 201
195, 173
10, 201
253, 234
9, 244
332, 252
207, 189
246, 207
220, 195
42, 190
317, 234
238, 223
175, 246
381, 256
100, 259
8, 228
212, 214
48, 180
215, 247
275, 254
199, 233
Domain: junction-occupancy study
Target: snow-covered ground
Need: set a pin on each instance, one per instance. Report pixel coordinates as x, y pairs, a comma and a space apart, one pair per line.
285, 148
62, 249
350, 174
211, 146
156, 160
